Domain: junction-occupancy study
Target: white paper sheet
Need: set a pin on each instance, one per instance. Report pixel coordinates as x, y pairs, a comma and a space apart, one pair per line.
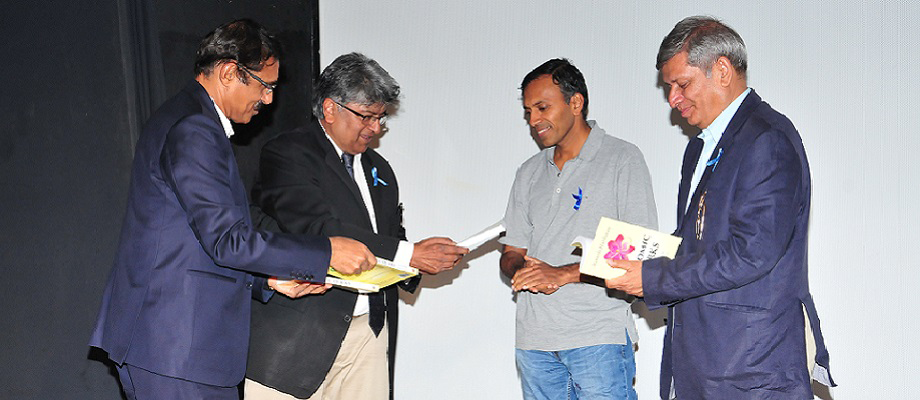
484, 236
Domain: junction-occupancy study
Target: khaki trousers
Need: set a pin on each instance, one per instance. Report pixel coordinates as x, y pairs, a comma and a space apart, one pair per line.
360, 370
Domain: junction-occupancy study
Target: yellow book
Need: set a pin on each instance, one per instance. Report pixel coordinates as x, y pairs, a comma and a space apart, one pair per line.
621, 241
384, 274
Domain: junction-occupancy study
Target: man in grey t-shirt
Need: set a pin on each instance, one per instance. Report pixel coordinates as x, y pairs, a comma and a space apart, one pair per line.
572, 333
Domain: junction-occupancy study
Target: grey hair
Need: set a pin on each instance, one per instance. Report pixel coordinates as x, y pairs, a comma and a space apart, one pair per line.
705, 39
354, 78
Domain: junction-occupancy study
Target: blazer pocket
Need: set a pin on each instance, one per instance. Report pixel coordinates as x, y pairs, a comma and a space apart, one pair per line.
209, 274
736, 307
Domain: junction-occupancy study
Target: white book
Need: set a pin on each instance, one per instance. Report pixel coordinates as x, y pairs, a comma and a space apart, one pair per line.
621, 241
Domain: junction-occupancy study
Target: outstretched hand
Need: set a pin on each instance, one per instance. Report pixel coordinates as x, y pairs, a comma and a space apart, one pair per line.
436, 254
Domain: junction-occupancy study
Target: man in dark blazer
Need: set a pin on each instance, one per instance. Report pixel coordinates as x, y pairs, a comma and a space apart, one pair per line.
175, 312
737, 288
338, 345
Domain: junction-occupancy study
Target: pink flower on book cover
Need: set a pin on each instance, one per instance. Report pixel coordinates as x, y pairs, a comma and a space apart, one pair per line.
619, 249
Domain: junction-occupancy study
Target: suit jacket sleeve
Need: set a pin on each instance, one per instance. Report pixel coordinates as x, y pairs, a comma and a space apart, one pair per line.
765, 202
291, 192
197, 165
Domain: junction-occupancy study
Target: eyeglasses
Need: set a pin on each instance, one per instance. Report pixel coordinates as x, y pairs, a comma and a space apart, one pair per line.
268, 88
366, 119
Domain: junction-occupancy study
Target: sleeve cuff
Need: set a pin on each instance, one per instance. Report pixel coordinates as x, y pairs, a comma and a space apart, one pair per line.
404, 253
260, 289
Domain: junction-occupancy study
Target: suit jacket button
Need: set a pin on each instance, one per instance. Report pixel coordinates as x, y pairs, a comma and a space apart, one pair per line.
347, 318
309, 277
248, 285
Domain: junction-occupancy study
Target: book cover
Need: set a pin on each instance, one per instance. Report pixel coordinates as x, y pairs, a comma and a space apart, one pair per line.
621, 241
384, 274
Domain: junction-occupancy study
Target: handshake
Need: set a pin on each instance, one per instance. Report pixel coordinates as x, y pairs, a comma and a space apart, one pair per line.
349, 256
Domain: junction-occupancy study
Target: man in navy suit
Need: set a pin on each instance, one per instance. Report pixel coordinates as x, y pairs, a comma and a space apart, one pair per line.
737, 288
176, 309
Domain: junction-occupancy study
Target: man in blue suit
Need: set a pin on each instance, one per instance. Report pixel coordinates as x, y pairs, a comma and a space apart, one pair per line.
175, 312
737, 288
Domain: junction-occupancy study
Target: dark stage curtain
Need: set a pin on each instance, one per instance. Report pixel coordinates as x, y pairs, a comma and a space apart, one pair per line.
78, 81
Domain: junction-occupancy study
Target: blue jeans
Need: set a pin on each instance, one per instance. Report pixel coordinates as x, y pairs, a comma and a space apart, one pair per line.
604, 371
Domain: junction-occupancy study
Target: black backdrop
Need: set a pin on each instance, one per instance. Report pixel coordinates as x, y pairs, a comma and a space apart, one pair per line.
78, 80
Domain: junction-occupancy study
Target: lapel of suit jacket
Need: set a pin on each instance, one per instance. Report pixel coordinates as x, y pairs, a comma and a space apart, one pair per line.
691, 155
747, 107
335, 164
209, 109
367, 163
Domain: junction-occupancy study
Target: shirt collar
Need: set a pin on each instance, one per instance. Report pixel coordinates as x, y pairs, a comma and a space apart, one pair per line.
591, 146
224, 121
713, 132
338, 151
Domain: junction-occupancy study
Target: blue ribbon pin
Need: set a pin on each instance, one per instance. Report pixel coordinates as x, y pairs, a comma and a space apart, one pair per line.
578, 198
376, 178
715, 161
